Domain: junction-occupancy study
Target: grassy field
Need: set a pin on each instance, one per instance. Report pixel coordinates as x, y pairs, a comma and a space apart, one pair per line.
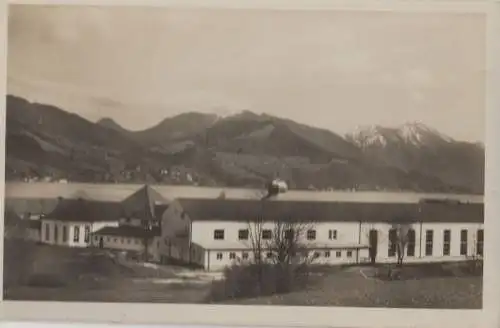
48, 273
349, 287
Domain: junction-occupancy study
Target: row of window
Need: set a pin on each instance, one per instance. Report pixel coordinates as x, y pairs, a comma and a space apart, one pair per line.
122, 240
76, 233
244, 255
409, 241
125, 240
266, 234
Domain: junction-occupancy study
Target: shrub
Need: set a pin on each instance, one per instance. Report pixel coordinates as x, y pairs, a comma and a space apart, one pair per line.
253, 280
473, 267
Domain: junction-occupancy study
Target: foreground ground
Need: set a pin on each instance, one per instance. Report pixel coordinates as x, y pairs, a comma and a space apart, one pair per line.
350, 287
47, 273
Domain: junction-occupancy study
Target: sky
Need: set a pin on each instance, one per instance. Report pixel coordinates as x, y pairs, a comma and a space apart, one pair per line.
332, 69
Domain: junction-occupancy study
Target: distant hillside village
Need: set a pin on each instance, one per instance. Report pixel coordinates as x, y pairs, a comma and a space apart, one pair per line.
213, 233
45, 143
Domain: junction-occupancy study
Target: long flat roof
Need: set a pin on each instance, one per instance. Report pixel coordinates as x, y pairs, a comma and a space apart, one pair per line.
245, 210
118, 192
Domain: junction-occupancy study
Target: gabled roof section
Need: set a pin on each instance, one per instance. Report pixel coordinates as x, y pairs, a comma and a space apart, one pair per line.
144, 204
82, 210
318, 211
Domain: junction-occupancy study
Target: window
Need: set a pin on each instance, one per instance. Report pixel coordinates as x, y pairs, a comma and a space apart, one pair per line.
47, 232
339, 253
244, 255
446, 242
332, 234
56, 233
65, 234
87, 234
243, 234
76, 234
327, 254
108, 239
266, 234
349, 253
480, 242
463, 242
311, 234
219, 256
219, 234
96, 238
410, 247
429, 239
316, 255
289, 234
115, 240
392, 243
232, 256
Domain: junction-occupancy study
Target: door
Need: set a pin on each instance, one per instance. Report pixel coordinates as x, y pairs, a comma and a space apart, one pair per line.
101, 242
373, 245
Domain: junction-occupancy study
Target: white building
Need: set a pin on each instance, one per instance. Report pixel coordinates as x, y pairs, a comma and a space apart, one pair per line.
213, 233
131, 225
73, 221
131, 239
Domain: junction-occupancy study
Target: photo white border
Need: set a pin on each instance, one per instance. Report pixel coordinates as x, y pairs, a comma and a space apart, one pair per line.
288, 316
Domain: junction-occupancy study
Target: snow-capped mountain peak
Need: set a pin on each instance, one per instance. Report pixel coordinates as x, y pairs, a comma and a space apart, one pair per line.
412, 133
364, 136
418, 133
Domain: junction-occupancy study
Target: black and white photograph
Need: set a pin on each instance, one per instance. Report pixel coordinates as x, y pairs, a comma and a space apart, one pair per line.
257, 157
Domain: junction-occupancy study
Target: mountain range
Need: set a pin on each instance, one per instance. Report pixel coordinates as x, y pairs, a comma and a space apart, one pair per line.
245, 149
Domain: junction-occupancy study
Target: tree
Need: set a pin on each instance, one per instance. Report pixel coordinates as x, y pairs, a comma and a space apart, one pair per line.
399, 237
283, 247
286, 245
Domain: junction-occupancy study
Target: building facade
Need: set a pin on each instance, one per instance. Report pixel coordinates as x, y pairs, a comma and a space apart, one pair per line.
216, 233
131, 239
130, 225
73, 222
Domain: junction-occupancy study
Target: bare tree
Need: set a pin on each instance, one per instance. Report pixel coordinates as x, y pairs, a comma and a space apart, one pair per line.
282, 256
287, 245
277, 244
255, 230
399, 237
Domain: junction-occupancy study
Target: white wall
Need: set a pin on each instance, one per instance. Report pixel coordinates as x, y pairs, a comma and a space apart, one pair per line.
420, 234
70, 228
348, 233
118, 242
455, 229
174, 224
203, 233
175, 231
213, 263
129, 244
347, 237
